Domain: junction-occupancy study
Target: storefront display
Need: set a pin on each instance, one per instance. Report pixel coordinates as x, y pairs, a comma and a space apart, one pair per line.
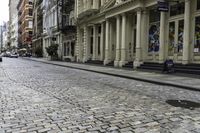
154, 31
197, 35
171, 38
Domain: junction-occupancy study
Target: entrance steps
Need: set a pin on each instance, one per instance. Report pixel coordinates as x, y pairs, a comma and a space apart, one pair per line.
129, 65
179, 68
94, 62
111, 64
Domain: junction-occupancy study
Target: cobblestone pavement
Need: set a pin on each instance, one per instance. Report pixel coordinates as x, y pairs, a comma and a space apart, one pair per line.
41, 98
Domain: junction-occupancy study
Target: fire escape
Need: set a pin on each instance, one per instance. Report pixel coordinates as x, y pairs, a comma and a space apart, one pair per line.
66, 7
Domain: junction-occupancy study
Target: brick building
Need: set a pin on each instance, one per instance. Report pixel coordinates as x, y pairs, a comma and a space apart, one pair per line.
25, 23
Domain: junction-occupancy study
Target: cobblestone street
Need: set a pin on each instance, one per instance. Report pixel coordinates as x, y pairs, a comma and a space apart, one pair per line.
41, 98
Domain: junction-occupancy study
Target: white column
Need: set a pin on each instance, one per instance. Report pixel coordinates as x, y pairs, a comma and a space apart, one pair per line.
123, 43
94, 57
107, 50
162, 37
118, 39
186, 41
84, 4
95, 4
102, 41
144, 35
86, 47
138, 40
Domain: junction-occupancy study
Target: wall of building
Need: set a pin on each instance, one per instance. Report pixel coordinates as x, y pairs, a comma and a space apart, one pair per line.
134, 31
25, 21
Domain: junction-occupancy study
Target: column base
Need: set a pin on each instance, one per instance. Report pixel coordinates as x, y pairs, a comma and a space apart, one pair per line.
116, 63
185, 62
161, 61
122, 63
106, 61
136, 64
85, 60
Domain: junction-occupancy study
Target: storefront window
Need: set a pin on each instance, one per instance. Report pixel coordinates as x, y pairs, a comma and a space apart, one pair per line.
171, 37
180, 35
198, 4
154, 31
177, 9
154, 16
197, 35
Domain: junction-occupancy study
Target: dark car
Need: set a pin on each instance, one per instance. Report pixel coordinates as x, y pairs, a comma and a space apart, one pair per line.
27, 55
0, 58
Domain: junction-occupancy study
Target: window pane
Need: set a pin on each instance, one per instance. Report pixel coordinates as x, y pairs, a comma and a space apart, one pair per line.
180, 35
198, 4
171, 37
177, 9
197, 35
154, 43
154, 16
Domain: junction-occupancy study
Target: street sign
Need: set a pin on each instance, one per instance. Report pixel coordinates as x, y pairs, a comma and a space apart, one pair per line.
163, 6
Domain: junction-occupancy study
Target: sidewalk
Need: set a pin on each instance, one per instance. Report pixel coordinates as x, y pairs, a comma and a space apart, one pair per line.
156, 78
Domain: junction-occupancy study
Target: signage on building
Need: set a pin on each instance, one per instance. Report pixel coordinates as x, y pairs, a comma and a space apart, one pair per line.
163, 6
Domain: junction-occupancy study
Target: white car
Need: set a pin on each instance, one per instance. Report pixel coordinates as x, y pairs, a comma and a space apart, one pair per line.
14, 55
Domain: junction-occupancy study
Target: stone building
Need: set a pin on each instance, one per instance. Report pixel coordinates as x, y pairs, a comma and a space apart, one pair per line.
37, 42
68, 29
51, 32
13, 23
121, 32
25, 23
59, 28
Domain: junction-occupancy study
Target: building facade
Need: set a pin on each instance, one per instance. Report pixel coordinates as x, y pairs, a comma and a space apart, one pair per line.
134, 31
68, 29
59, 28
51, 32
25, 23
13, 23
5, 35
37, 42
13, 32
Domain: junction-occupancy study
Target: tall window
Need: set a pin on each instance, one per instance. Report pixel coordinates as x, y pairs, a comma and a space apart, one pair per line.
180, 35
91, 41
197, 35
198, 4
171, 37
177, 9
30, 24
154, 31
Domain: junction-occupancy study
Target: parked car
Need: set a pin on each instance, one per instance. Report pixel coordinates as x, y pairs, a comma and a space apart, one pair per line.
6, 54
14, 55
27, 55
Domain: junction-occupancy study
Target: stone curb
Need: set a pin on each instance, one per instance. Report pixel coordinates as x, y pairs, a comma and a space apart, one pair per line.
122, 76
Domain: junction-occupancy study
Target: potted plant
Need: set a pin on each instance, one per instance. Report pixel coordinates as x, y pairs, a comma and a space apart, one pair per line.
52, 51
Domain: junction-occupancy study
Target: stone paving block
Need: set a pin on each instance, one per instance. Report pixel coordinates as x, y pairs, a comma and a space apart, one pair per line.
36, 99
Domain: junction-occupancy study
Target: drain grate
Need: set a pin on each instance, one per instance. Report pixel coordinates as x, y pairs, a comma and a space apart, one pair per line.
184, 104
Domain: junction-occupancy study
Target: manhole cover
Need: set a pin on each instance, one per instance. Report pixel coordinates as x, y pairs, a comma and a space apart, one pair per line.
184, 104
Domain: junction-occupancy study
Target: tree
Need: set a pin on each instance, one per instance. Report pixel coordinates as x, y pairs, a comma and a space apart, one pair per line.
52, 51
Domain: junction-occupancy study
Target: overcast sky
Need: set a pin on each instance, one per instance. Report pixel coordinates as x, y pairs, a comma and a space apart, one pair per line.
4, 13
